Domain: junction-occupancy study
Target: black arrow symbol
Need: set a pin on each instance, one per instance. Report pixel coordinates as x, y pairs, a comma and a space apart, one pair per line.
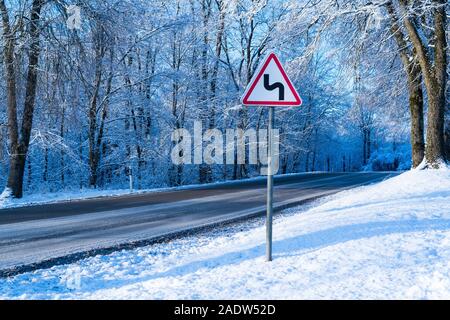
276, 85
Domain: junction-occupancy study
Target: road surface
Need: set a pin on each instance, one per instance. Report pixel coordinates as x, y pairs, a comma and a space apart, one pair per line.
42, 236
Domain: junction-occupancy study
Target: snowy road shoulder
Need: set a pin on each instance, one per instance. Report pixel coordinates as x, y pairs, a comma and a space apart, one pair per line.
390, 240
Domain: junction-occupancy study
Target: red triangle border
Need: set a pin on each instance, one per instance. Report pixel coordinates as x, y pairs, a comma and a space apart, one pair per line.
298, 101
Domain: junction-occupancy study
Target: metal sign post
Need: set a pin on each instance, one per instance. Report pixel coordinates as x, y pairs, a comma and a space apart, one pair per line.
270, 86
270, 186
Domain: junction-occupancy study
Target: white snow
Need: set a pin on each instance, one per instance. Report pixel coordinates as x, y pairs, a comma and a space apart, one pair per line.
4, 197
6, 200
386, 241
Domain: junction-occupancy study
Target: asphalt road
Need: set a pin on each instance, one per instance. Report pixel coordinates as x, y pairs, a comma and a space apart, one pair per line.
41, 236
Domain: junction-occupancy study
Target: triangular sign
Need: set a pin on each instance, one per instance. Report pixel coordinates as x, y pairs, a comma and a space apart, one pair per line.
270, 86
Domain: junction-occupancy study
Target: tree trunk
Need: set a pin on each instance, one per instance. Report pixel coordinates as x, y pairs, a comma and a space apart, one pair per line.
314, 159
19, 145
97, 126
307, 161
447, 134
16, 173
219, 38
93, 152
417, 119
62, 154
364, 133
435, 151
45, 174
410, 64
435, 78
10, 72
205, 171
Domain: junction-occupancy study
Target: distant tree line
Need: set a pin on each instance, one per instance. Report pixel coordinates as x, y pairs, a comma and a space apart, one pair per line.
95, 107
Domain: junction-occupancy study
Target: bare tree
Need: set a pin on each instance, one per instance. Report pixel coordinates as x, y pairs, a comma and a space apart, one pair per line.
414, 78
434, 70
19, 141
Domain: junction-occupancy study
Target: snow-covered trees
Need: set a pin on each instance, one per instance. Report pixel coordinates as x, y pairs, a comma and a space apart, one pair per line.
19, 139
430, 43
97, 106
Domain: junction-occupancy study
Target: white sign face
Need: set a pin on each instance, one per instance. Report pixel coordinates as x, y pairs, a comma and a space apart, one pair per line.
271, 86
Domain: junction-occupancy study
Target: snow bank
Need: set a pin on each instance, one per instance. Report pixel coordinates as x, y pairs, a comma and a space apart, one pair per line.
5, 197
6, 200
386, 241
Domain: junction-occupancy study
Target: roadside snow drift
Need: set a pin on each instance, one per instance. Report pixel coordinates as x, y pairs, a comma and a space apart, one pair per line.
386, 241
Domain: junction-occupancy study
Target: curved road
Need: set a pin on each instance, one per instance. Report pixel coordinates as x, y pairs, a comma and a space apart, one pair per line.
41, 236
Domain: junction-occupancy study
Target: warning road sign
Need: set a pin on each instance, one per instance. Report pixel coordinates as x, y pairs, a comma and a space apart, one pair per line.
271, 86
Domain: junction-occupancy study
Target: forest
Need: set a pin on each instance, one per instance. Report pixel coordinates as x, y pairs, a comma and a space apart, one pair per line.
91, 91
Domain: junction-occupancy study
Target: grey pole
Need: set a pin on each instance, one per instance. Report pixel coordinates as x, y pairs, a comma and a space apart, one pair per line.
270, 187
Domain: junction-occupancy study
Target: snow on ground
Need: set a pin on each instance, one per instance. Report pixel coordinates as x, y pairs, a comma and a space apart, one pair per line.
386, 241
44, 198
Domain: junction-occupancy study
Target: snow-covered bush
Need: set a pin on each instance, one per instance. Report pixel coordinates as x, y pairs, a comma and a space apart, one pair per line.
393, 158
